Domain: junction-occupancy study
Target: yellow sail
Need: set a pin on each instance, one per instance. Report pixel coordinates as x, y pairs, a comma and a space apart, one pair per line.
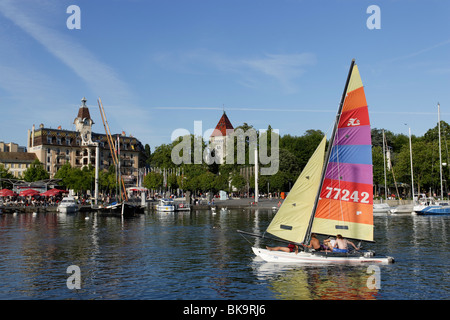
291, 221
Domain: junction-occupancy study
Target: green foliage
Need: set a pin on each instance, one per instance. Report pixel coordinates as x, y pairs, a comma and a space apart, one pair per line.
153, 181
80, 180
425, 159
5, 174
35, 172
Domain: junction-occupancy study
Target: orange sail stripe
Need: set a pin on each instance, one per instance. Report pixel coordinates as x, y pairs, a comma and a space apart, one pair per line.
355, 99
345, 211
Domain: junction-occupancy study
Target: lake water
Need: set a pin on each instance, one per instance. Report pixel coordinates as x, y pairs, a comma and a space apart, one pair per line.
199, 255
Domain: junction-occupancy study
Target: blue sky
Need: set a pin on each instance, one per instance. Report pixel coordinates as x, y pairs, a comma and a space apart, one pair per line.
161, 65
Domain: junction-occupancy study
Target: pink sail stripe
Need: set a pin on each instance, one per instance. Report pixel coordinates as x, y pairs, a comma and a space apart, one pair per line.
350, 172
358, 135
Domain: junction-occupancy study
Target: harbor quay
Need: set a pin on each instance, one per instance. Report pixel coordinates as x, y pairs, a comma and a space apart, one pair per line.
234, 203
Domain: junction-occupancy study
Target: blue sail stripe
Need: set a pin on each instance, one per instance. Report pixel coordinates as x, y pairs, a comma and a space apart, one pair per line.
361, 154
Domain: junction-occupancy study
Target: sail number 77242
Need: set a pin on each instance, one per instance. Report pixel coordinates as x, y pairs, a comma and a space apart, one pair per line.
347, 195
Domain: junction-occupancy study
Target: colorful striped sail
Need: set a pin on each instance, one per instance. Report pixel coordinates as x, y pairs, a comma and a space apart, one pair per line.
345, 204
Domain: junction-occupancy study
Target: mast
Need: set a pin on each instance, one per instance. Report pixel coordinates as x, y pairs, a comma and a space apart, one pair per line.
412, 174
384, 164
440, 153
97, 160
328, 154
111, 145
256, 176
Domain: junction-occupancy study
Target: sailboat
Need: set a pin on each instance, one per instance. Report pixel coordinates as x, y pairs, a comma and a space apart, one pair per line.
334, 193
123, 207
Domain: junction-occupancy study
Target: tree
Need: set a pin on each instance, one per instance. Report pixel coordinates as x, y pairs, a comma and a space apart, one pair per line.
153, 181
5, 174
238, 181
35, 172
147, 154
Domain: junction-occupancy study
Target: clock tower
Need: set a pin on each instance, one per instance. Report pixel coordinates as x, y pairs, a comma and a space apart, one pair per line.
83, 124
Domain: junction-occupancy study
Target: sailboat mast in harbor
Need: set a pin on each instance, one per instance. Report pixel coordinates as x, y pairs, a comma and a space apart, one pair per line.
440, 153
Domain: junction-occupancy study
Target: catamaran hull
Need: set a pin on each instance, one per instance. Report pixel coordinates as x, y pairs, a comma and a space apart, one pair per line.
322, 258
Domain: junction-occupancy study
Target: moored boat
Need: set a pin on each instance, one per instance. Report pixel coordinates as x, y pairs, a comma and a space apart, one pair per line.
182, 206
403, 209
381, 209
67, 205
437, 209
120, 209
165, 205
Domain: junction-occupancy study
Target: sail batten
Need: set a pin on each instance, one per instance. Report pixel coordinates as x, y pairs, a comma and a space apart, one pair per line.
346, 197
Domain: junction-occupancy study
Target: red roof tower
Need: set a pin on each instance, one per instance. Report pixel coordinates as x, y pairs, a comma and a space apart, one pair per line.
223, 125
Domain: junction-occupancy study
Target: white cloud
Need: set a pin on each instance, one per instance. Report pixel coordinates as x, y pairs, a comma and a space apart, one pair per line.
285, 69
100, 78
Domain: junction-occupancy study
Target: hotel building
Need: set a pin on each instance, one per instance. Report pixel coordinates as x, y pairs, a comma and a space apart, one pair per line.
56, 147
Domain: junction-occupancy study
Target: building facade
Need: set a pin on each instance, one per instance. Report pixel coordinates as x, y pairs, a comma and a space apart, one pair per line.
11, 147
17, 162
56, 147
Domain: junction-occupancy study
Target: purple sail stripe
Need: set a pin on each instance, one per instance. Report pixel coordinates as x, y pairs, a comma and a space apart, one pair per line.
358, 135
351, 172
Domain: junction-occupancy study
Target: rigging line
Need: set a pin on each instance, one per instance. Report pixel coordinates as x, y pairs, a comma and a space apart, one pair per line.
242, 235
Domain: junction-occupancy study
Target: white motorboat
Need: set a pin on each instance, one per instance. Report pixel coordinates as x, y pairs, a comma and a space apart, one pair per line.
67, 205
165, 205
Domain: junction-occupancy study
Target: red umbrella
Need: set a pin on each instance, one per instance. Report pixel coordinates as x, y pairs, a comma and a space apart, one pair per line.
7, 193
29, 192
53, 192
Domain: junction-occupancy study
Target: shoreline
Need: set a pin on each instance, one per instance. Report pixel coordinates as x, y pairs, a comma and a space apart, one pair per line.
246, 203
242, 203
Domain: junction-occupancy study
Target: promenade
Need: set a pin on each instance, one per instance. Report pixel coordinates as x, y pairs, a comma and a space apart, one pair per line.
244, 203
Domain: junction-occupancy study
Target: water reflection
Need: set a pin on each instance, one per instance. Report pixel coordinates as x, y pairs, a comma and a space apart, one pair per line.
199, 255
315, 282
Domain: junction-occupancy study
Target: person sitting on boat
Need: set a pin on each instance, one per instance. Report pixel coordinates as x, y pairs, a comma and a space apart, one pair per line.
315, 243
290, 248
341, 244
329, 243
